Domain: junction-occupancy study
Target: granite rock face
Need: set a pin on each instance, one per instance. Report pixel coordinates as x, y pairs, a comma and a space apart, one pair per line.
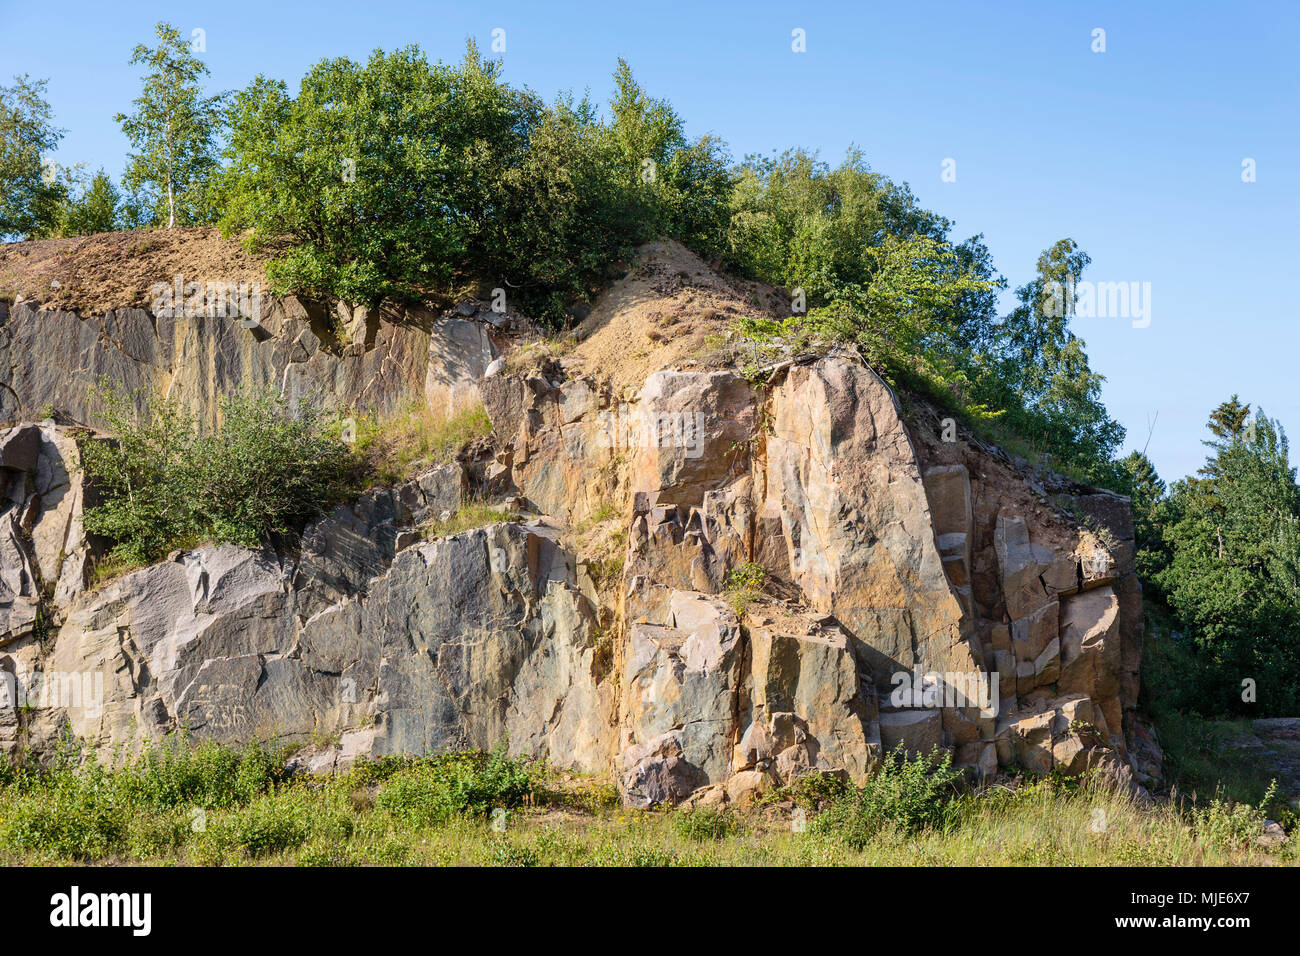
459, 642
918, 593
336, 355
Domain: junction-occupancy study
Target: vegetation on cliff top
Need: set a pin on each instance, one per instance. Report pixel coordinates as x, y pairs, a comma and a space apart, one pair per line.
398, 177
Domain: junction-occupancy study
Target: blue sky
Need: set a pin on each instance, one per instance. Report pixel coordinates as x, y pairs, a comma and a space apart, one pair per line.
1136, 153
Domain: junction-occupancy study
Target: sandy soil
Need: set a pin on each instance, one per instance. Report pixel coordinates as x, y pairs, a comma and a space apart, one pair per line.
93, 274
665, 312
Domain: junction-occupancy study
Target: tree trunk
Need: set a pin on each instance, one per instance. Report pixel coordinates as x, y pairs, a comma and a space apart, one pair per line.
171, 198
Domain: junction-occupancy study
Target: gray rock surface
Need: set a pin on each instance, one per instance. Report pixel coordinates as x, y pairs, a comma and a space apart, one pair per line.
884, 557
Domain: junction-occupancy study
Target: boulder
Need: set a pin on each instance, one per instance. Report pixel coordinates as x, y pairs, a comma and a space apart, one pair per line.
690, 429
845, 498
683, 678
808, 703
460, 352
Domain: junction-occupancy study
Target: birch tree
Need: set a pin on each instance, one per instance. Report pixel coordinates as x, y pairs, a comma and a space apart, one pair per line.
173, 130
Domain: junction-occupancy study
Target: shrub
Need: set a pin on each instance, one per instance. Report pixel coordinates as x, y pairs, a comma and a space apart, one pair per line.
172, 775
1230, 825
267, 469
744, 585
814, 790
705, 823
72, 823
462, 784
907, 793
269, 825
69, 811
505, 852
399, 176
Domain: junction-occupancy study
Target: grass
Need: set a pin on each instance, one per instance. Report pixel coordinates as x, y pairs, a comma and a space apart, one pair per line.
394, 447
529, 357
471, 514
213, 806
745, 586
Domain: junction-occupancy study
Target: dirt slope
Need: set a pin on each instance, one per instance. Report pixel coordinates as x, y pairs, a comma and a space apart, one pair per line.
93, 274
670, 310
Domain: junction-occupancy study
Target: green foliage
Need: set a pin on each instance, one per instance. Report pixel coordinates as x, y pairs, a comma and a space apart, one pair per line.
1036, 370
706, 823
471, 514
506, 852
174, 129
812, 790
878, 271
267, 826
901, 319
1226, 562
267, 469
797, 223
393, 447
907, 794
173, 775
97, 209
470, 784
1229, 824
745, 585
72, 823
30, 198
69, 811
211, 806
78, 208
394, 178
1145, 487
380, 173
77, 809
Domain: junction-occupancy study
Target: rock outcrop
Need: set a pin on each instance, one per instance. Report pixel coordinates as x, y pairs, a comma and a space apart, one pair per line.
919, 593
344, 357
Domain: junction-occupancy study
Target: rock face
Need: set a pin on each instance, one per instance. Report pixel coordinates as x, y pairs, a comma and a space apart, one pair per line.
341, 356
454, 642
919, 593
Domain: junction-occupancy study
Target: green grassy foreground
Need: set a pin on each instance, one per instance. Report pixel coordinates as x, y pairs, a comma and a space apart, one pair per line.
213, 806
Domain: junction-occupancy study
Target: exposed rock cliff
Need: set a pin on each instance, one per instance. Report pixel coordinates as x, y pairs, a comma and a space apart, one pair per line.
920, 593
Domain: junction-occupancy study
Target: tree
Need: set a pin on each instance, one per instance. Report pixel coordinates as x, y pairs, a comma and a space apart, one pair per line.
30, 189
175, 130
903, 315
400, 177
384, 174
1146, 487
1232, 572
676, 187
1044, 366
1228, 421
1147, 491
95, 210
